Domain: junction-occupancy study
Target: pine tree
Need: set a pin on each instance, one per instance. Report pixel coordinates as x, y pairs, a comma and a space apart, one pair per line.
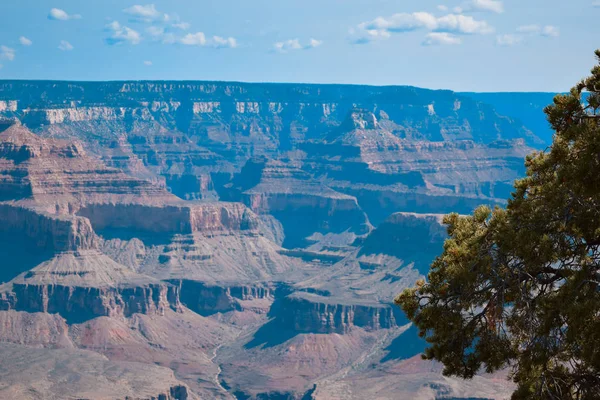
519, 287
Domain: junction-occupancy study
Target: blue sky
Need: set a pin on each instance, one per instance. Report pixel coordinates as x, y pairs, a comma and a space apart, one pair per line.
464, 45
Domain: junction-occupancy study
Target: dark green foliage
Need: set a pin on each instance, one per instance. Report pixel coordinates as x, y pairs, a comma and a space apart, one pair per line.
519, 288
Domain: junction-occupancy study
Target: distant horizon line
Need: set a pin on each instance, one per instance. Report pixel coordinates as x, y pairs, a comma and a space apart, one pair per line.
4, 80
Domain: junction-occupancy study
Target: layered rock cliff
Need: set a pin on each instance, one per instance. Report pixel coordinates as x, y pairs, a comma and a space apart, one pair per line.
372, 159
210, 299
87, 284
310, 313
61, 177
302, 204
56, 233
194, 135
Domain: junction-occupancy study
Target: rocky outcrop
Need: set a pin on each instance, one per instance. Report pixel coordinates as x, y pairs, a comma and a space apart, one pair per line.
404, 235
302, 204
311, 313
210, 299
51, 232
87, 284
61, 177
388, 170
83, 303
171, 219
34, 329
225, 258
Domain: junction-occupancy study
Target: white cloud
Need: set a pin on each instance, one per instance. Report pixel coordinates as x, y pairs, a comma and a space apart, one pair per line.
56, 14
222, 43
194, 39
508, 40
24, 41
382, 28
163, 35
147, 13
294, 44
442, 8
7, 53
547, 31
441, 38
402, 22
596, 3
457, 23
122, 34
495, 6
148, 63
65, 46
283, 47
364, 36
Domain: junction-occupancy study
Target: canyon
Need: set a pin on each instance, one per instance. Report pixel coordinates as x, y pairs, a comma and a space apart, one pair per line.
187, 240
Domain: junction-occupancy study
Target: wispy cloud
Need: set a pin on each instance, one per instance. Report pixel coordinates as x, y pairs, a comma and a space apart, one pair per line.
7, 53
122, 34
494, 6
56, 14
150, 14
194, 39
383, 28
294, 44
222, 43
200, 39
547, 30
596, 3
313, 43
148, 63
508, 40
65, 46
441, 38
527, 31
25, 41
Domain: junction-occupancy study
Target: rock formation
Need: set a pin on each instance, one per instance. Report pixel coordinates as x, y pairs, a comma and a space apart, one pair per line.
229, 240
